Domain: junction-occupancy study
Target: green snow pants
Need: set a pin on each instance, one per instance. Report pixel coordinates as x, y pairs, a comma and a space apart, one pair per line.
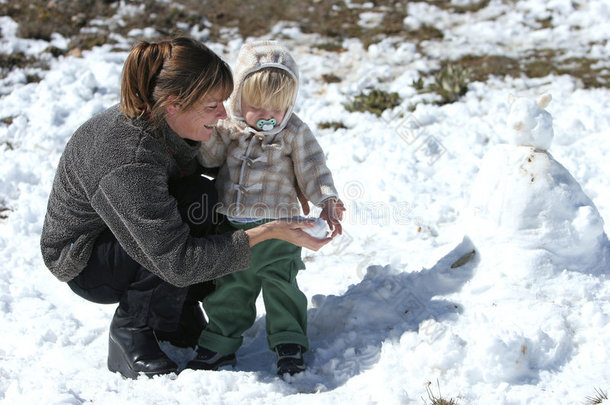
231, 308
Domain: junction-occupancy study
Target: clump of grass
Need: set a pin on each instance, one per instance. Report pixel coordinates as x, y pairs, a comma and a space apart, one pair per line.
483, 66
584, 68
14, 60
331, 78
8, 145
18, 60
32, 78
251, 19
469, 8
460, 9
332, 19
88, 41
55, 51
391, 25
437, 400
165, 17
331, 47
544, 62
599, 397
3, 209
425, 33
545, 22
38, 19
376, 102
541, 63
450, 83
335, 125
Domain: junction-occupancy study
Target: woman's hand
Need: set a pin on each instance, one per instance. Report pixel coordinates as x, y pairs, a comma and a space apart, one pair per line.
289, 230
332, 213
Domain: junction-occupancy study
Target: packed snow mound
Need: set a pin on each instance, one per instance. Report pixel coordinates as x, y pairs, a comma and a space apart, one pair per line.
525, 198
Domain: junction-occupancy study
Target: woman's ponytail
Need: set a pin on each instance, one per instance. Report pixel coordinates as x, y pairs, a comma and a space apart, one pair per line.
140, 73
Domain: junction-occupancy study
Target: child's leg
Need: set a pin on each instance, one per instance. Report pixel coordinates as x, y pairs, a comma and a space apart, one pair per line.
285, 303
231, 310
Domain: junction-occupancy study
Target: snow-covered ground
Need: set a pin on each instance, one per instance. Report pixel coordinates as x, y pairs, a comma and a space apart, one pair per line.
526, 320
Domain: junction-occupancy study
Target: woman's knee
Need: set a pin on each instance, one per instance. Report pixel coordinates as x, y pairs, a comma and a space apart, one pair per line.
101, 294
108, 274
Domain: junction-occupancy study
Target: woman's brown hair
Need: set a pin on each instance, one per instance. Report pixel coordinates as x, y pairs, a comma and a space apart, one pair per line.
181, 70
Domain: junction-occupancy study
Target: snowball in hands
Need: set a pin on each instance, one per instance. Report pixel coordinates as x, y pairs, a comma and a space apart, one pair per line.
319, 230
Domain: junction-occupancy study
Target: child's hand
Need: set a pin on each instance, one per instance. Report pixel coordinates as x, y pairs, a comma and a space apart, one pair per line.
332, 213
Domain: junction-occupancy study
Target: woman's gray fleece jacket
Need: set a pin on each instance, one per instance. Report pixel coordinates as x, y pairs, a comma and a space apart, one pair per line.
114, 173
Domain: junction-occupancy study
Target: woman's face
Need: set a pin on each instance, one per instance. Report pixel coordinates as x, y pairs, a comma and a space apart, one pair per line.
197, 123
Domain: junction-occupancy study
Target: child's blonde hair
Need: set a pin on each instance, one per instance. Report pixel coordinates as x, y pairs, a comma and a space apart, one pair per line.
270, 88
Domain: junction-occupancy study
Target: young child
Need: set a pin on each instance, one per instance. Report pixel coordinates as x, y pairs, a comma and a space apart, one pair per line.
263, 151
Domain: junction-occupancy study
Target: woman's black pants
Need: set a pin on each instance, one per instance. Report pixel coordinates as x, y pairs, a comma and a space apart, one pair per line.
112, 276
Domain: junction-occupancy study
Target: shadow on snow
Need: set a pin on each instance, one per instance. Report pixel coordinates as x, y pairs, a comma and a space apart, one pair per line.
347, 332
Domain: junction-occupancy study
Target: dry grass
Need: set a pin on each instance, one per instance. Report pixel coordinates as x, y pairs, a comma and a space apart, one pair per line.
40, 18
332, 19
3, 211
437, 400
599, 398
334, 125
539, 63
375, 101
450, 83
15, 60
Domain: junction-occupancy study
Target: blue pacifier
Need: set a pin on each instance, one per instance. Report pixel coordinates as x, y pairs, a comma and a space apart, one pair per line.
266, 125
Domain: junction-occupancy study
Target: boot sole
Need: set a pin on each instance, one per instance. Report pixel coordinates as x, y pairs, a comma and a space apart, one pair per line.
291, 369
232, 363
229, 362
119, 362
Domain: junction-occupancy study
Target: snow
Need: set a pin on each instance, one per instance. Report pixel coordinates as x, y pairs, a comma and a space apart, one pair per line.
529, 123
319, 229
394, 302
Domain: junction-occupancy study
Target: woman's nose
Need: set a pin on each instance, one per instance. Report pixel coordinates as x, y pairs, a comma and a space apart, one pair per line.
222, 113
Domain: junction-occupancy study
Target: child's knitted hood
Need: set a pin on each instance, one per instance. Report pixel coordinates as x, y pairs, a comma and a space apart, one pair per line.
252, 57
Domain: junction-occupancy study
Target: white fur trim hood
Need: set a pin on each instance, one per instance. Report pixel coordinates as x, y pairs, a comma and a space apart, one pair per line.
254, 56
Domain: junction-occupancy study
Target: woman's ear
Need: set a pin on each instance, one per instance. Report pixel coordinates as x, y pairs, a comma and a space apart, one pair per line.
172, 107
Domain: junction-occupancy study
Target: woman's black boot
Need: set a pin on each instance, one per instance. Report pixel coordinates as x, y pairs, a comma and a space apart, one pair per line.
189, 328
133, 349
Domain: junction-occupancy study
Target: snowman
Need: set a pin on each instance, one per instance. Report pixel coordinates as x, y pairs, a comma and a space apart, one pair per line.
523, 200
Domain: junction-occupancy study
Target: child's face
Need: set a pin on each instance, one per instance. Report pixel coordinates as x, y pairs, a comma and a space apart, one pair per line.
252, 115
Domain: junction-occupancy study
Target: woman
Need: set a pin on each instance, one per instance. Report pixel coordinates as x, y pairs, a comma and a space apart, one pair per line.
130, 219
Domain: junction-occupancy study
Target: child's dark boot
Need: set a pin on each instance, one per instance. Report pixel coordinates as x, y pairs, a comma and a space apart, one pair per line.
289, 358
209, 360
